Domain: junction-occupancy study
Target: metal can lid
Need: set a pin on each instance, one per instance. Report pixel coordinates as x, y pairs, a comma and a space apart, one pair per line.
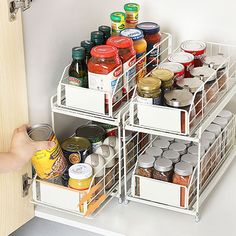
90, 131
148, 27
148, 84
163, 165
163, 74
189, 158
214, 128
113, 142
178, 147
193, 45
192, 84
181, 57
108, 153
183, 169
194, 150
204, 73
154, 151
209, 136
146, 161
178, 98
172, 66
134, 34
216, 61
80, 171
226, 114
163, 144
75, 144
171, 155
40, 132
222, 122
97, 162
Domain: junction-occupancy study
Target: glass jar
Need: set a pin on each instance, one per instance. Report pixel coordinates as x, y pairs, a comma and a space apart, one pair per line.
197, 49
190, 159
106, 30
178, 147
140, 47
182, 175
97, 37
105, 69
194, 150
152, 36
185, 142
163, 170
184, 58
117, 22
171, 155
128, 57
131, 10
149, 91
169, 139
155, 152
145, 166
163, 144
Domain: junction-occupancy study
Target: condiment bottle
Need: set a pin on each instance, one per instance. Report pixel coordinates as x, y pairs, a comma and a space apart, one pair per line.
145, 166
87, 45
78, 73
106, 30
117, 22
178, 147
163, 170
131, 10
154, 152
171, 155
97, 37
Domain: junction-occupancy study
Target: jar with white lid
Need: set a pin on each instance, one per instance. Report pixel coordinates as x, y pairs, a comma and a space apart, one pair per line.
163, 170
220, 64
226, 114
145, 166
169, 139
172, 156
163, 144
178, 147
155, 152
211, 137
187, 143
194, 150
190, 158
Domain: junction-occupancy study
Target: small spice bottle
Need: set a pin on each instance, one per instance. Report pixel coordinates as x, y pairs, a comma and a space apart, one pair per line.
117, 22
206, 135
178, 147
169, 139
154, 152
182, 174
172, 156
163, 170
190, 159
145, 166
185, 142
131, 10
163, 144
194, 150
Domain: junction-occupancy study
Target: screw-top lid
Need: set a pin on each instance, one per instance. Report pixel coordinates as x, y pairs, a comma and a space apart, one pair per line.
120, 41
194, 150
134, 7
146, 161
148, 27
181, 57
78, 53
178, 98
154, 151
113, 142
190, 159
178, 147
214, 128
108, 153
216, 61
163, 144
171, 155
169, 139
87, 45
183, 169
226, 114
172, 66
222, 122
118, 16
97, 162
134, 34
148, 84
163, 165
104, 51
163, 74
204, 73
80, 171
193, 46
97, 37
185, 142
209, 136
192, 84
106, 30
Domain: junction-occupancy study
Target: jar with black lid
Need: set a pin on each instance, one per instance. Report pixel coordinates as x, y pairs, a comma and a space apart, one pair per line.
163, 170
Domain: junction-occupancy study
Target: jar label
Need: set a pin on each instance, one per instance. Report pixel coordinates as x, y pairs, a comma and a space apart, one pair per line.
80, 82
141, 65
117, 26
132, 17
153, 57
129, 75
149, 101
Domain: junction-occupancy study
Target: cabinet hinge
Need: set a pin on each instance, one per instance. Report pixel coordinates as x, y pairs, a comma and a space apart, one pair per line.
26, 183
15, 5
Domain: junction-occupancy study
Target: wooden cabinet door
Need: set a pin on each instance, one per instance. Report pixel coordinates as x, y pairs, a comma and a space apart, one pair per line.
14, 209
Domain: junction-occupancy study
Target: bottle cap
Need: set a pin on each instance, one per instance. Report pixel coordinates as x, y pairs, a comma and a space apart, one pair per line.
134, 7
78, 53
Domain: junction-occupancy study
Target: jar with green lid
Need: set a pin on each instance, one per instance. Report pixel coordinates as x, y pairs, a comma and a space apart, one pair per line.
149, 91
106, 30
117, 22
131, 10
87, 45
97, 37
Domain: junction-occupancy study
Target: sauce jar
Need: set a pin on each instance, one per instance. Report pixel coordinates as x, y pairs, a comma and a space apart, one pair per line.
149, 92
131, 10
171, 155
220, 64
140, 46
208, 76
145, 166
185, 142
163, 144
117, 22
178, 147
190, 159
154, 152
105, 69
197, 49
195, 86
97, 37
182, 175
106, 30
128, 57
184, 58
152, 36
163, 170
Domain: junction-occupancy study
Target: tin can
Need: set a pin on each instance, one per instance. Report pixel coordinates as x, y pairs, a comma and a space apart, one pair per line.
49, 163
94, 133
111, 130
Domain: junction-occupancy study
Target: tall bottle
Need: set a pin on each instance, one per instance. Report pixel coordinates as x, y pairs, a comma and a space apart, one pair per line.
97, 37
87, 45
106, 30
78, 72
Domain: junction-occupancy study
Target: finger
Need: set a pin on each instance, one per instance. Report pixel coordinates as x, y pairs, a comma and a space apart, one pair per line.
41, 145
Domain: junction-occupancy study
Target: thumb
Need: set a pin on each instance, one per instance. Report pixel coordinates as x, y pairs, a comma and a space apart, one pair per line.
41, 145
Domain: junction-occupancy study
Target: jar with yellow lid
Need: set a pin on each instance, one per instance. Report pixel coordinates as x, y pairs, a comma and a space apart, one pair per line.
117, 22
149, 91
131, 10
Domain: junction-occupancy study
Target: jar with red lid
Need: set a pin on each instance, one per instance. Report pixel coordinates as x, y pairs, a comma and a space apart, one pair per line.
184, 58
128, 57
152, 36
105, 69
197, 49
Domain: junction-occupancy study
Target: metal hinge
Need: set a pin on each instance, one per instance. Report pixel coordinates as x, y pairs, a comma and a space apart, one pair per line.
15, 5
26, 183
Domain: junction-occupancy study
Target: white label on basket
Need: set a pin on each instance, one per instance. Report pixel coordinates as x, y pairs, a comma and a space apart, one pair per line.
129, 74
107, 83
149, 101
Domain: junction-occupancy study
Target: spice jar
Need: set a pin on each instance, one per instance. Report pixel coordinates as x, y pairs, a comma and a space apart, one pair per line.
190, 159
182, 175
105, 69
196, 87
154, 152
178, 147
145, 166
163, 144
208, 76
106, 30
220, 64
226, 114
163, 170
184, 58
108, 153
169, 139
194, 150
117, 22
197, 49
185, 142
149, 92
172, 155
131, 10
152, 36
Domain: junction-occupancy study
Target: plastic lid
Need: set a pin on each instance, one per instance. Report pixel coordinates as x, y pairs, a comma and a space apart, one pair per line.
149, 83
163, 165
226, 114
192, 84
120, 41
87, 45
190, 159
216, 61
154, 151
78, 53
97, 35
104, 51
97, 162
171, 155
204, 73
80, 171
178, 147
193, 45
163, 144
178, 98
183, 169
134, 7
108, 153
222, 122
214, 128
118, 16
134, 34
148, 27
181, 57
106, 30
172, 66
194, 150
209, 136
146, 161
113, 142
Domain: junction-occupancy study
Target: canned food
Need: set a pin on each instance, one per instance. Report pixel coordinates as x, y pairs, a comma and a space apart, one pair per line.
49, 163
111, 130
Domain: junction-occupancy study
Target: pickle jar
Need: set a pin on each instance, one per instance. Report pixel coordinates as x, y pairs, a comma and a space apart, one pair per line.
172, 155
178, 147
131, 10
163, 170
145, 166
117, 22
149, 91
